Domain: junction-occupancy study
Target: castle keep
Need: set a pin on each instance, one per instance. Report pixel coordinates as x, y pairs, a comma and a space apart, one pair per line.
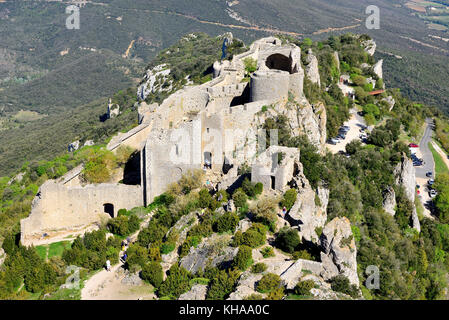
205, 127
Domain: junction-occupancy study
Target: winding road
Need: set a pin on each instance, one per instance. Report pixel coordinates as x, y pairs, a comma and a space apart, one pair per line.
429, 163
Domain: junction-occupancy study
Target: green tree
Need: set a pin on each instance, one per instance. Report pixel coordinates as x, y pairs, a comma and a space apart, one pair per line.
243, 259
152, 272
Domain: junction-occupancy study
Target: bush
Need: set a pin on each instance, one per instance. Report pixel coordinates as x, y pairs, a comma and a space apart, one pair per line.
258, 188
265, 211
152, 272
288, 239
167, 247
267, 252
227, 222
119, 225
137, 255
239, 198
303, 288
253, 238
259, 267
222, 284
205, 199
341, 284
243, 259
176, 283
289, 199
276, 294
248, 187
303, 254
268, 283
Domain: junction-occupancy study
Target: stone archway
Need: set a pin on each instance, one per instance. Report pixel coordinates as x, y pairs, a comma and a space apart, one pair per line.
109, 209
278, 61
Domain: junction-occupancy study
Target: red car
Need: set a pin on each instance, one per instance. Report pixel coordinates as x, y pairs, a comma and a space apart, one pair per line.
412, 145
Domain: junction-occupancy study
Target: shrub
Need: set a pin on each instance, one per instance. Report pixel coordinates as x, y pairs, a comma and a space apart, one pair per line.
254, 296
288, 239
205, 199
248, 187
243, 259
303, 288
133, 224
268, 283
176, 283
267, 252
259, 267
222, 284
341, 284
253, 238
152, 272
289, 199
276, 294
137, 255
239, 198
303, 254
250, 65
119, 225
258, 188
167, 247
227, 222
238, 239
265, 211
122, 212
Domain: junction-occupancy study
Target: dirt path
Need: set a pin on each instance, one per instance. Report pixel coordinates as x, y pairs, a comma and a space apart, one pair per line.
107, 285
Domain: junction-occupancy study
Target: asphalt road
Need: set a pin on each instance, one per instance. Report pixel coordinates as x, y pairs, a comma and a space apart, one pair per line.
429, 163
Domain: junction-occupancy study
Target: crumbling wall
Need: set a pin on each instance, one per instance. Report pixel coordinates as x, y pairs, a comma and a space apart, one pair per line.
58, 208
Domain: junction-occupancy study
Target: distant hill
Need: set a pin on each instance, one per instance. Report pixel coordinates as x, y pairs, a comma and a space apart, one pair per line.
49, 69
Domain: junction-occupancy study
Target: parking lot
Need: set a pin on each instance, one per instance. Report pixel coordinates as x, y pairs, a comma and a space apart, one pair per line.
354, 125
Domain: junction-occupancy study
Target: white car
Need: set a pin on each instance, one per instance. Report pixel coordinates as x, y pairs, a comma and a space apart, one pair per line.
433, 193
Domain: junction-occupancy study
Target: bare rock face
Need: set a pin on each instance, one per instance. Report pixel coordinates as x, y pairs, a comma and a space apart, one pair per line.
370, 47
305, 212
245, 286
181, 228
389, 203
337, 59
312, 70
339, 250
312, 123
391, 102
405, 176
2, 256
377, 68
132, 279
198, 292
244, 225
211, 252
291, 276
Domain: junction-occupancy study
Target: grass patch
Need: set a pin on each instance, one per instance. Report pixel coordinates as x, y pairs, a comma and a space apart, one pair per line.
440, 166
42, 251
56, 249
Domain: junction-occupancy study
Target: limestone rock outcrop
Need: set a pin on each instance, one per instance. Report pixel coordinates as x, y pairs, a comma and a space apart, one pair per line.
305, 212
180, 228
370, 47
198, 292
389, 202
405, 177
312, 70
211, 252
377, 68
245, 286
339, 252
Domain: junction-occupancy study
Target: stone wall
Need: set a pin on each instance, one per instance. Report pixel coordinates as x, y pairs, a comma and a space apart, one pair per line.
58, 208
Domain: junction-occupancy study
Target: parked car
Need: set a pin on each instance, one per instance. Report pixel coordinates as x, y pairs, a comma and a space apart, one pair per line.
332, 142
429, 174
413, 145
432, 193
431, 182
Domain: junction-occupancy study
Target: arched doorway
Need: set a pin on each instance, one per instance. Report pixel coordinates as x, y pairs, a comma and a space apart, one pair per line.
109, 209
207, 160
279, 62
